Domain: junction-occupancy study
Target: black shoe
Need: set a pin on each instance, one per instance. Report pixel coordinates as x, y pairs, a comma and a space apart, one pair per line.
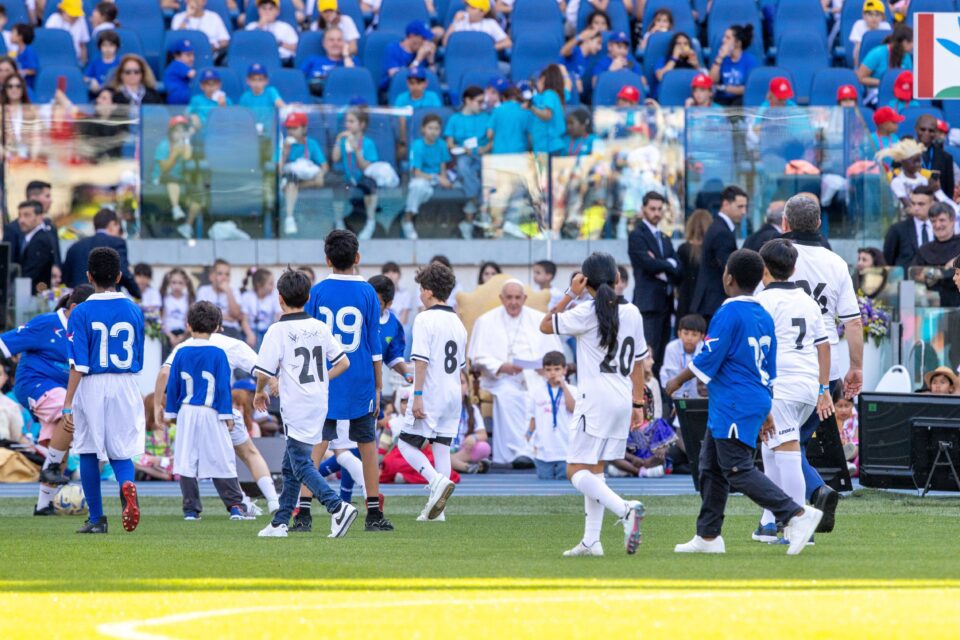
100, 526
376, 522
46, 511
484, 466
53, 475
826, 500
302, 523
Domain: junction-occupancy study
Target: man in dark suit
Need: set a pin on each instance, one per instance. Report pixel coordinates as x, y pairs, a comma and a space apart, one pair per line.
35, 249
719, 242
934, 158
655, 273
37, 191
773, 228
904, 238
108, 234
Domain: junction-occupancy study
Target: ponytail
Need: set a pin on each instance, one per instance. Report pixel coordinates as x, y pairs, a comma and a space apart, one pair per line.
600, 270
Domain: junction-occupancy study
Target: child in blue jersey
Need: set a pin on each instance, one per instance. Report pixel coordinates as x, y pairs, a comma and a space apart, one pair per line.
41, 386
417, 95
349, 306
210, 97
429, 156
466, 134
353, 151
617, 58
179, 73
199, 400
95, 75
738, 365
27, 61
509, 123
547, 122
303, 164
103, 404
261, 98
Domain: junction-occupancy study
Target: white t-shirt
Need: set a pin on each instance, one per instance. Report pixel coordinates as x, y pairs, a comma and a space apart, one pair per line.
297, 349
260, 312
440, 340
239, 354
860, 28
78, 30
347, 27
488, 26
552, 421
175, 313
799, 328
150, 299
283, 32
605, 398
210, 23
219, 298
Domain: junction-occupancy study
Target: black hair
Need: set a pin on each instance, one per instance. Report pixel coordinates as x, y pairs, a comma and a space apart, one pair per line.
220, 261
483, 267
511, 93
104, 267
582, 116
384, 288
554, 359
204, 317
692, 322
898, 39
472, 92
80, 294
307, 269
624, 274
653, 195
143, 269
606, 16
25, 31
431, 117
745, 266
390, 267
600, 270
341, 248
108, 10
438, 279
547, 265
442, 259
731, 192
36, 185
254, 279
108, 36
876, 254
33, 204
924, 190
294, 287
743, 33
104, 217
780, 257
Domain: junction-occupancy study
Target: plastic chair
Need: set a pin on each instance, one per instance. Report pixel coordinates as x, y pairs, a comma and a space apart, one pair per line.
309, 44
675, 87
54, 48
247, 47
468, 51
233, 152
619, 20
799, 15
758, 84
609, 84
345, 84
292, 86
46, 85
395, 14
803, 56
532, 52
823, 91
374, 53
871, 40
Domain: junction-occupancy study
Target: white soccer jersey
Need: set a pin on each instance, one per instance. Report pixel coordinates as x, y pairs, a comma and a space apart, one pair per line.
297, 349
440, 340
826, 277
799, 328
605, 398
239, 354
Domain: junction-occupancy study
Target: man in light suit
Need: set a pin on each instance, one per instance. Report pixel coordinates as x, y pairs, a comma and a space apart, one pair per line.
719, 242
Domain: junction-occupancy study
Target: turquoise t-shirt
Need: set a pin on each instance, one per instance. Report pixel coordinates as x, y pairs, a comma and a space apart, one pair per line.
261, 105
200, 106
162, 152
348, 160
428, 99
547, 135
462, 127
878, 61
429, 158
578, 147
313, 148
510, 123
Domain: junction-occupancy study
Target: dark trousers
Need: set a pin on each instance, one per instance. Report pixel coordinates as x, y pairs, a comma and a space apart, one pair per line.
726, 464
298, 469
656, 330
228, 488
811, 477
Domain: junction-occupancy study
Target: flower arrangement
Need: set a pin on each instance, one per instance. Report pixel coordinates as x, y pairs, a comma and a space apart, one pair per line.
152, 325
875, 318
47, 299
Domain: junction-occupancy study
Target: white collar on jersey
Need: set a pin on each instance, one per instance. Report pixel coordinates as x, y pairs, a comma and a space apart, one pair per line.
344, 276
63, 317
741, 299
108, 295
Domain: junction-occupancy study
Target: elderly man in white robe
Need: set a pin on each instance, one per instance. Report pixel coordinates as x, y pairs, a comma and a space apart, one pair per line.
507, 345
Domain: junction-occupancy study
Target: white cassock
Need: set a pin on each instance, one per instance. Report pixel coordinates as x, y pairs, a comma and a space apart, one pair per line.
499, 339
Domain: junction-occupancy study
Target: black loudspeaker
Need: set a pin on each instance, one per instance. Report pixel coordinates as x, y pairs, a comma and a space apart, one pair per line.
4, 283
272, 450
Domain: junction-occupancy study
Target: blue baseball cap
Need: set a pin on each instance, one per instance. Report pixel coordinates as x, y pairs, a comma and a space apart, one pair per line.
246, 384
419, 28
619, 36
416, 73
209, 74
257, 69
181, 46
499, 83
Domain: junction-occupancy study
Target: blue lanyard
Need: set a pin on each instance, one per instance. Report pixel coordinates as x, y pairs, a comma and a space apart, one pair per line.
927, 164
554, 402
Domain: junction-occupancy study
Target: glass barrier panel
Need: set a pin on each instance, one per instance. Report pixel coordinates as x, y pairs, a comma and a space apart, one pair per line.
515, 203
880, 287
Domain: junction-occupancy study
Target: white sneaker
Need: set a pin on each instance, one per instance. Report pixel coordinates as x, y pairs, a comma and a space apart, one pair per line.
595, 550
409, 231
631, 526
341, 519
367, 232
699, 545
273, 506
290, 225
338, 223
178, 213
440, 490
801, 528
271, 531
185, 230
466, 230
423, 517
253, 509
653, 472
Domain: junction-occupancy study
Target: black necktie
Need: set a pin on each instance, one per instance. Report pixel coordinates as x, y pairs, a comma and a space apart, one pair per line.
924, 234
660, 242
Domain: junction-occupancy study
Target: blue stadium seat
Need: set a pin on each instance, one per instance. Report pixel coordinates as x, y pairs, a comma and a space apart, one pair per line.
475, 78
682, 16
382, 130
953, 151
309, 44
535, 16
951, 112
247, 47
849, 14
398, 84
656, 51
532, 52
886, 85
232, 149
823, 91
803, 56
129, 43
928, 6
395, 14
870, 40
46, 85
910, 116
54, 47
800, 15
16, 12
468, 51
452, 8
420, 114
619, 20
374, 50
233, 86
146, 19
674, 89
288, 13
344, 84
609, 84
723, 21
759, 82
292, 86
203, 52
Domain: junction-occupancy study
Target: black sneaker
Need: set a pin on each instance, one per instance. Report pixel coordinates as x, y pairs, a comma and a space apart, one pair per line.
46, 511
826, 500
53, 475
302, 523
100, 526
376, 522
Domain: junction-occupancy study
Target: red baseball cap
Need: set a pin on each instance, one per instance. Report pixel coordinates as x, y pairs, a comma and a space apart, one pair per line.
780, 88
886, 114
701, 81
177, 121
296, 119
903, 88
846, 92
629, 93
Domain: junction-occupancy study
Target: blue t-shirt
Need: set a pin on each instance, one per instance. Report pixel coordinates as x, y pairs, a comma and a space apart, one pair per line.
738, 364
428, 99
579, 147
900, 105
348, 160
42, 343
462, 127
547, 135
105, 335
576, 63
392, 340
314, 152
349, 306
176, 79
199, 377
319, 66
735, 74
510, 123
200, 106
99, 70
878, 61
603, 64
429, 158
263, 105
162, 152
27, 59
394, 56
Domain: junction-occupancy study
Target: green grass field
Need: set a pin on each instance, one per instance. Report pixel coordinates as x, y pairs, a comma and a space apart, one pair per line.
885, 546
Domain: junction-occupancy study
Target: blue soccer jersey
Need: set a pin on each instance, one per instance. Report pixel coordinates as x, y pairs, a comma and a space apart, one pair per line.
349, 306
42, 343
105, 335
738, 364
199, 376
393, 342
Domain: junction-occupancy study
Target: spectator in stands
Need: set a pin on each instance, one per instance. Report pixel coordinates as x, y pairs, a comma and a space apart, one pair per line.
846, 96
479, 17
945, 246
934, 158
108, 233
197, 18
99, 67
487, 270
618, 56
772, 228
571, 10
579, 140
317, 67
150, 300
912, 174
466, 134
227, 299
4, 32
779, 94
330, 16
286, 36
417, 95
903, 93
941, 381
170, 168
37, 253
429, 157
874, 17
261, 98
578, 52
8, 67
210, 97
681, 55
303, 164
887, 122
628, 98
417, 49
905, 237
180, 72
662, 22
134, 83
547, 123
259, 302
895, 53
733, 64
20, 120
701, 92
869, 258
177, 294
21, 37
509, 124
103, 18
69, 17
354, 151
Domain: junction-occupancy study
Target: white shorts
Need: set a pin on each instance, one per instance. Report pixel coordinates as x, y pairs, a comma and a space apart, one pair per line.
587, 449
238, 435
108, 416
343, 440
445, 428
202, 448
788, 417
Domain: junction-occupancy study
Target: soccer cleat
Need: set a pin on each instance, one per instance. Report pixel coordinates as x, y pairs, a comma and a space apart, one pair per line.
53, 475
376, 522
302, 523
699, 545
631, 526
191, 516
46, 511
100, 526
595, 550
130, 517
440, 491
826, 499
423, 517
800, 529
342, 519
271, 531
766, 533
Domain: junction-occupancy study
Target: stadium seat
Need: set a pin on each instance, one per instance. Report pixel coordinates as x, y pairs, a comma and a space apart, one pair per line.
468, 51
849, 14
46, 85
398, 84
674, 89
345, 84
247, 47
823, 91
535, 16
292, 86
609, 84
203, 52
886, 85
928, 6
309, 44
619, 20
799, 15
452, 8
16, 12
870, 40
910, 116
725, 13
420, 114
288, 14
232, 149
803, 56
656, 51
146, 20
682, 16
951, 112
532, 52
476, 78
54, 47
233, 86
759, 82
395, 14
374, 50
382, 130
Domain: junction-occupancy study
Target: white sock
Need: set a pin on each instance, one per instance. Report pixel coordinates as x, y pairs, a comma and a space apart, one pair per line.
441, 459
354, 467
268, 489
593, 521
770, 470
791, 475
46, 496
417, 460
54, 457
594, 487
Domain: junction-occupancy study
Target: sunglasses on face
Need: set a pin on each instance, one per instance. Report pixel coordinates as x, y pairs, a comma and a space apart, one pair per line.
15, 86
131, 72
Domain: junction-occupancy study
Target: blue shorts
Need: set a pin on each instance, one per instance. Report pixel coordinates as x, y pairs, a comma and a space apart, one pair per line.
362, 429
